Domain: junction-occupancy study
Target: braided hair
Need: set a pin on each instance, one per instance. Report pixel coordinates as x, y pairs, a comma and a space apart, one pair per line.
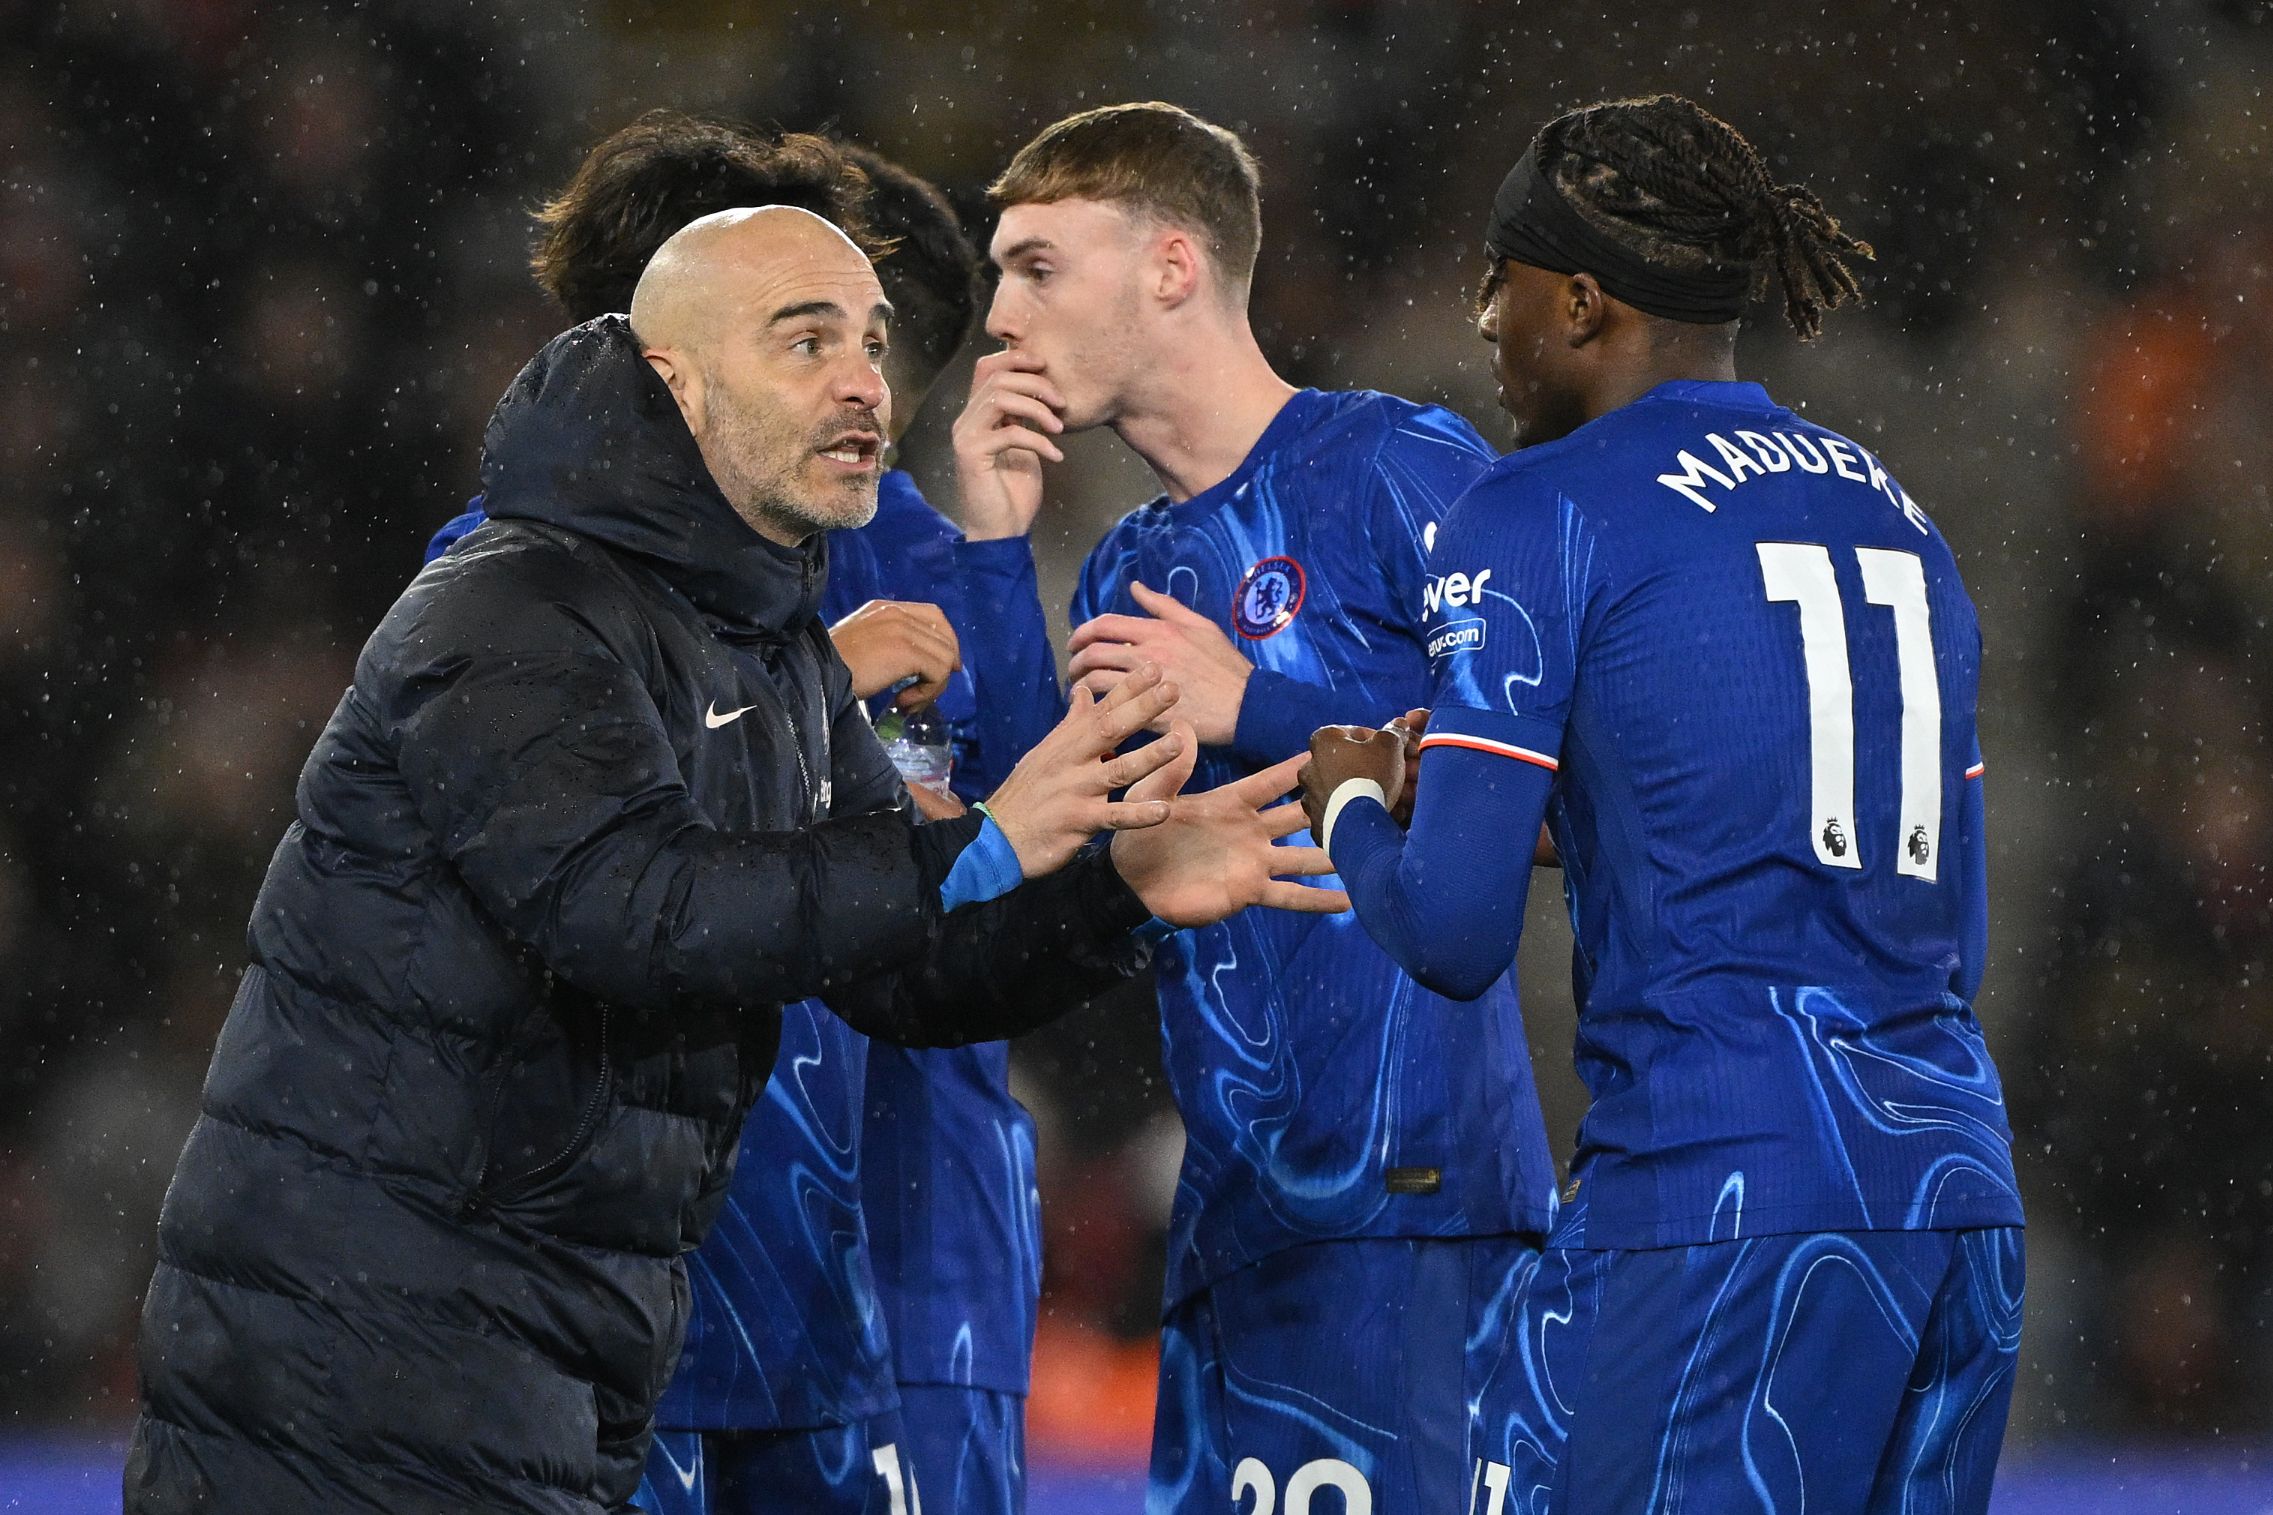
1684, 188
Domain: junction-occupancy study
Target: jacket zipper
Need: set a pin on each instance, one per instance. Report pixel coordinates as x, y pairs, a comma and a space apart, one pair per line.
483, 1191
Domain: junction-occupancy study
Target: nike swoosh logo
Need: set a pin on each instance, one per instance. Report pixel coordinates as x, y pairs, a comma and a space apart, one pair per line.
714, 720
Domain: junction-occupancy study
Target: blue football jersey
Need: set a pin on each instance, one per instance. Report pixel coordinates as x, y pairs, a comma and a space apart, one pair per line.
784, 1327
1324, 1094
1750, 656
947, 1168
824, 1281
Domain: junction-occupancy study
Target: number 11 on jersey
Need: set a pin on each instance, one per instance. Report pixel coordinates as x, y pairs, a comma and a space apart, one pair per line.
1800, 572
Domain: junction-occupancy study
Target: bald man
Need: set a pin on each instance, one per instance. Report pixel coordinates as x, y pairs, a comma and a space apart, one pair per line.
599, 800
769, 328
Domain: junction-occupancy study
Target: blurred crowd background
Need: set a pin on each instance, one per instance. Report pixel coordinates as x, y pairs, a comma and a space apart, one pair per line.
262, 276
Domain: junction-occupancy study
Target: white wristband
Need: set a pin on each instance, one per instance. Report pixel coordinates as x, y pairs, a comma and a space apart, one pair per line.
1344, 792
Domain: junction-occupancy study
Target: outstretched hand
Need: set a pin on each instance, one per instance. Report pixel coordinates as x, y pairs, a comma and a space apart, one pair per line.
1216, 854
1056, 798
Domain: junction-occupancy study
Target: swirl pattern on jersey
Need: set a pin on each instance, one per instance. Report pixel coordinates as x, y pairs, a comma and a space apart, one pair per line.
1833, 1371
1324, 1094
785, 1328
954, 1218
1776, 889
1337, 1372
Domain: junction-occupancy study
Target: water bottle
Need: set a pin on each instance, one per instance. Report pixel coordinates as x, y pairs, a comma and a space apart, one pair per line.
917, 742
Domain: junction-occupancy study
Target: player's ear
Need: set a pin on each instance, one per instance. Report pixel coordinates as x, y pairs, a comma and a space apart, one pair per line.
1584, 307
1176, 270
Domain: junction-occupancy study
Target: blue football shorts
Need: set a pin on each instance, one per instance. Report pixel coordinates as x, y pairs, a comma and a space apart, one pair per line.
965, 1447
1852, 1371
854, 1469
1327, 1379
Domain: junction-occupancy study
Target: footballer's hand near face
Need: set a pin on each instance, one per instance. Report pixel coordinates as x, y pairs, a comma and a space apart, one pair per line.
1001, 440
885, 641
1340, 754
1218, 851
1188, 647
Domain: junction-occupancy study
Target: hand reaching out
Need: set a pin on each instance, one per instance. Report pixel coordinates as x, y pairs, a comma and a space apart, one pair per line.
1216, 854
1055, 800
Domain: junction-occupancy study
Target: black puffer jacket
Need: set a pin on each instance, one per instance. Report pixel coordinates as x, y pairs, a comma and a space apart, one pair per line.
516, 976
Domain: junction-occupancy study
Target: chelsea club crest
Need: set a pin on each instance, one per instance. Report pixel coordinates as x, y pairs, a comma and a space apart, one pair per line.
1267, 598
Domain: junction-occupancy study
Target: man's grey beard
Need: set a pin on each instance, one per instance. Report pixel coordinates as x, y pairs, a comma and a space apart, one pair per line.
779, 514
742, 443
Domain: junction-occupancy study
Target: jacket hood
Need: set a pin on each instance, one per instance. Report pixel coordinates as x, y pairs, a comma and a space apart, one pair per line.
588, 439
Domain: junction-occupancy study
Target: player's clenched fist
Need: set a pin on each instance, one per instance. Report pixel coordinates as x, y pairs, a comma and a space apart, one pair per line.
885, 641
1001, 440
1339, 754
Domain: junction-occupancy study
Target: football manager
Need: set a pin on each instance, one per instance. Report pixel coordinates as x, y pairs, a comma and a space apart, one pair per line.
597, 803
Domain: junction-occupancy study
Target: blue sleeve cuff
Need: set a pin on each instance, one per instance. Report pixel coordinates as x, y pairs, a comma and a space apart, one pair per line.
996, 557
987, 869
1154, 930
1277, 715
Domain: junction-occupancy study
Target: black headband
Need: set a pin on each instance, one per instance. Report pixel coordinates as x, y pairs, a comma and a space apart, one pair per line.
1532, 223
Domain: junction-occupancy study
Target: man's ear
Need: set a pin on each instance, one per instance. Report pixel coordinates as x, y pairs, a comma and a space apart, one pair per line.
1176, 267
683, 378
907, 385
1585, 307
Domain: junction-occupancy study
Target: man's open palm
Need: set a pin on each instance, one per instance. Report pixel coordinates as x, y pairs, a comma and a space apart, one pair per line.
1216, 854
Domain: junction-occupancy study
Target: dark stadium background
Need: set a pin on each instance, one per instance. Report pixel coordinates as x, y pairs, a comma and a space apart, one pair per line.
262, 277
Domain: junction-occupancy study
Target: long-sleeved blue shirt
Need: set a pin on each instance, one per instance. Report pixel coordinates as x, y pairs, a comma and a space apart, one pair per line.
1325, 1094
947, 1160
1733, 663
